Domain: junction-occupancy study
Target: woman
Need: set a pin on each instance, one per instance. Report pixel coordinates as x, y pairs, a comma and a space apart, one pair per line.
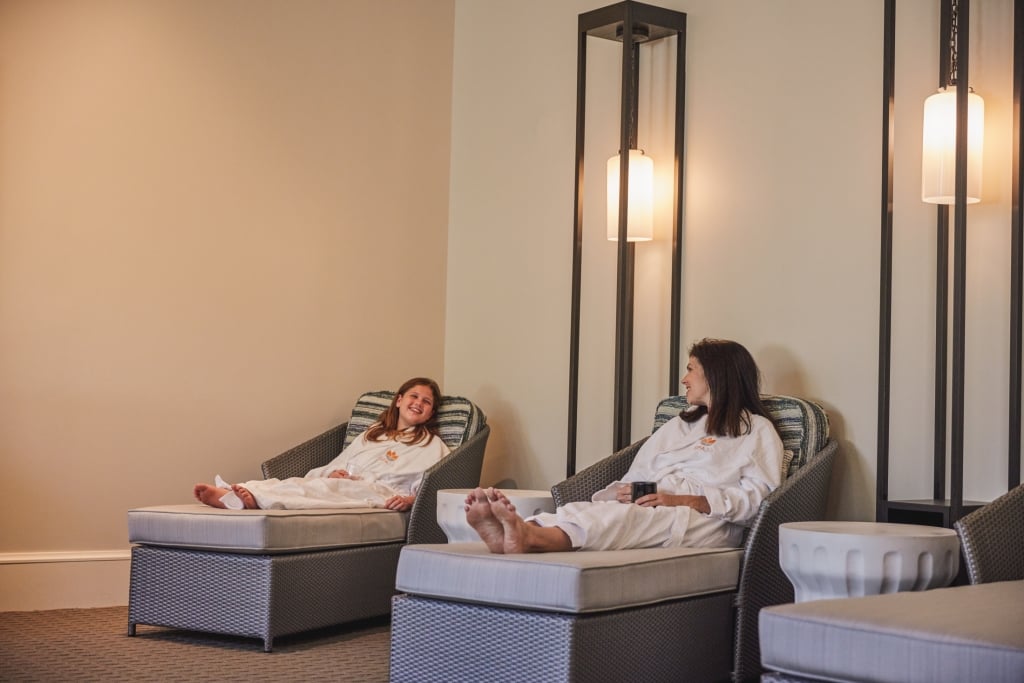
713, 465
383, 467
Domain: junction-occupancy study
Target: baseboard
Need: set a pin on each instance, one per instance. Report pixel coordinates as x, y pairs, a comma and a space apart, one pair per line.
65, 579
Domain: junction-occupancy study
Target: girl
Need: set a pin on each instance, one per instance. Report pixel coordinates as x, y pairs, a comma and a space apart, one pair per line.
383, 467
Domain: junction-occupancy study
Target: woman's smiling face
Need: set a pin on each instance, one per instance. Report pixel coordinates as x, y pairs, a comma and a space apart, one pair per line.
698, 393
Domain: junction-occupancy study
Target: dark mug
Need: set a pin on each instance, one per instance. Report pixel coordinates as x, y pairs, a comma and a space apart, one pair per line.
642, 488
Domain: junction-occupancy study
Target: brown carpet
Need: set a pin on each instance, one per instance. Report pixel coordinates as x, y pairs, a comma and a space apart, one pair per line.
93, 645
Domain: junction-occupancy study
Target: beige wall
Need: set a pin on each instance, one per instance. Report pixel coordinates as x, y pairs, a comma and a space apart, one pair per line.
219, 223
782, 245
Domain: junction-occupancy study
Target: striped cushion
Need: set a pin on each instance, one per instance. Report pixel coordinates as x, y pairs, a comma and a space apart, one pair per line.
457, 418
803, 425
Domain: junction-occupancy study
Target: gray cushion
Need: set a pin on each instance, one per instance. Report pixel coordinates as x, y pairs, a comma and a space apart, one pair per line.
573, 582
966, 633
263, 531
457, 417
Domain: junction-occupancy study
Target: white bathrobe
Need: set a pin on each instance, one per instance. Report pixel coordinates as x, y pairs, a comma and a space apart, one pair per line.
385, 469
733, 473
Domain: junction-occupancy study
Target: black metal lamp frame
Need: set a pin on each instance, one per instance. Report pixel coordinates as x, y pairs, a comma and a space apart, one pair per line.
633, 24
953, 66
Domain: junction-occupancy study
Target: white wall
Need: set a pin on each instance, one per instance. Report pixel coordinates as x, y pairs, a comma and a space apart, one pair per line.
783, 176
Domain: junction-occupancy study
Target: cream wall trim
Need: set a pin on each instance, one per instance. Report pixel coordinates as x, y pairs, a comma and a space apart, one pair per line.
65, 556
63, 580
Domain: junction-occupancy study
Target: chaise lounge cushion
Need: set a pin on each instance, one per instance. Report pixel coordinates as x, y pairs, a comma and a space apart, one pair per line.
268, 532
572, 582
965, 633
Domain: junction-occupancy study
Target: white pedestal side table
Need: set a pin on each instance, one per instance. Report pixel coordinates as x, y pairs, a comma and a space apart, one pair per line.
846, 559
451, 510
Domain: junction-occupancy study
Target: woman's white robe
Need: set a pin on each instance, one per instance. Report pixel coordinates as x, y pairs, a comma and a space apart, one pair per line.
733, 473
385, 469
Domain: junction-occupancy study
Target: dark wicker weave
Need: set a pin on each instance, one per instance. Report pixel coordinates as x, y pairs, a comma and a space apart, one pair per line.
259, 596
706, 637
264, 596
436, 640
992, 539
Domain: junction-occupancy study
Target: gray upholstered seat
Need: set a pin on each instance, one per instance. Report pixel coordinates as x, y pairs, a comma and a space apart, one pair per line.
270, 532
266, 573
947, 635
572, 582
651, 614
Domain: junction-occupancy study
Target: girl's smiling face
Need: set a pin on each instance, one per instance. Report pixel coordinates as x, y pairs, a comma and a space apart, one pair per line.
415, 406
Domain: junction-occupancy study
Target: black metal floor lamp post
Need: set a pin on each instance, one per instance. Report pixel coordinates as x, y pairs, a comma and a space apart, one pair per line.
953, 70
633, 24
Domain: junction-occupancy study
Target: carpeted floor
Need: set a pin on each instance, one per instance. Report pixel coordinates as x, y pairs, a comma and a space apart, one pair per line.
93, 645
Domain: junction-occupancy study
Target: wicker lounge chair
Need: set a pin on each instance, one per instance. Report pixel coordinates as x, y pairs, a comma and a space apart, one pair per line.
268, 573
654, 614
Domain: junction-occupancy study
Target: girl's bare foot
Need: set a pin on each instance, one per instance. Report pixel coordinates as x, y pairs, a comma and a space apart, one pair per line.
246, 496
480, 517
210, 495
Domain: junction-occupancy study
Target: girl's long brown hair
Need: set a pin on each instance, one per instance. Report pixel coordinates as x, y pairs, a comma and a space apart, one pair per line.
735, 385
386, 427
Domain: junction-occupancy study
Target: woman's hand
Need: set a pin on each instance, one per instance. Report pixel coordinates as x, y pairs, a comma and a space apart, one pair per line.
399, 503
624, 493
652, 500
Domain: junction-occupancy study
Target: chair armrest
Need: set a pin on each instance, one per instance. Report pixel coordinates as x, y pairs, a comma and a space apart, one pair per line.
992, 539
458, 470
585, 483
762, 583
316, 452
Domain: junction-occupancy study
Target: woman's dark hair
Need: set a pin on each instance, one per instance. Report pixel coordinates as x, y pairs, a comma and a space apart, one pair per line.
386, 426
735, 385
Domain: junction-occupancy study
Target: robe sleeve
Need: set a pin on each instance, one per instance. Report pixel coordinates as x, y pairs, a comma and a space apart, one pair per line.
762, 474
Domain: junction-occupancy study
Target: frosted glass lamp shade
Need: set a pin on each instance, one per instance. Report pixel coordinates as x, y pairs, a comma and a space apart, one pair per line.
640, 222
938, 160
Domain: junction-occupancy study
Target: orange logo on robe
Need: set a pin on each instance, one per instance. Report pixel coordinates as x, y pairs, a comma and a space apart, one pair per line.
391, 455
708, 440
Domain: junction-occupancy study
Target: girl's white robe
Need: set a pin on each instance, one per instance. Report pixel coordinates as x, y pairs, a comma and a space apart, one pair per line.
733, 473
385, 469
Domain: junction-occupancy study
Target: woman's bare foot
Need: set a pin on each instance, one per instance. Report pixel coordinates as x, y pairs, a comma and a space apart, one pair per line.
480, 517
522, 536
210, 495
512, 524
246, 497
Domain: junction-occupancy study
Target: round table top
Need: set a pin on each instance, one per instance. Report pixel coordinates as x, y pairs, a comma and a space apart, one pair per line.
870, 529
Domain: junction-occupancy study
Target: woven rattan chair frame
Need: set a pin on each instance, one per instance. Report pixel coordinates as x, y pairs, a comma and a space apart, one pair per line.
456, 642
266, 596
592, 646
992, 539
